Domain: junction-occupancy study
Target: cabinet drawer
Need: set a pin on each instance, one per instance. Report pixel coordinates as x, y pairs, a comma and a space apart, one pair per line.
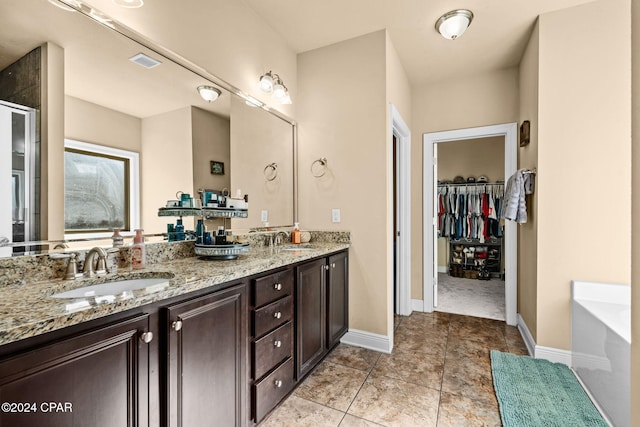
273, 287
272, 349
270, 391
272, 315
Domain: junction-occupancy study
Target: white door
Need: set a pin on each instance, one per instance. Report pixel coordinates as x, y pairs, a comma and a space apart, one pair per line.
435, 226
16, 131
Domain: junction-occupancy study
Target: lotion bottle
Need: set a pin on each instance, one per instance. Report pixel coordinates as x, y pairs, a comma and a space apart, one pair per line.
138, 251
295, 234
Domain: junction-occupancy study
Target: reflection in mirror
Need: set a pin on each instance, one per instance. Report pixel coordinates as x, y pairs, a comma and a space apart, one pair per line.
95, 94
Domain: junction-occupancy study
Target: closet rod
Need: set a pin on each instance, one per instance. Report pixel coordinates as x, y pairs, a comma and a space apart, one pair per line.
466, 184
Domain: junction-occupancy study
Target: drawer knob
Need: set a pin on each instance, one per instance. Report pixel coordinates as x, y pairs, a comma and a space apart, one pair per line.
277, 314
333, 265
277, 383
146, 337
177, 325
277, 343
277, 286
326, 267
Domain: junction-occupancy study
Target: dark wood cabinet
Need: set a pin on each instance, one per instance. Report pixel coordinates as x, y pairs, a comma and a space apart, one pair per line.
310, 315
322, 309
272, 341
337, 298
97, 378
206, 360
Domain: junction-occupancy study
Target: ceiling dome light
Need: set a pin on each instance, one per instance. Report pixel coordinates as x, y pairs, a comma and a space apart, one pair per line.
209, 93
266, 82
131, 4
453, 24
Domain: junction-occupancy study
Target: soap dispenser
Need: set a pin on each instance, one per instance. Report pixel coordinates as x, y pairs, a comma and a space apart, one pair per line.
138, 251
295, 234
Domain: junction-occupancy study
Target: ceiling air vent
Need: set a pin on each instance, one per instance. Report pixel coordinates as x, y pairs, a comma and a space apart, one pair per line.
144, 60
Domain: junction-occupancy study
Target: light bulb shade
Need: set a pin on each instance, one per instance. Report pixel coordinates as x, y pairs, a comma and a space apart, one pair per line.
130, 4
453, 24
266, 82
279, 89
209, 93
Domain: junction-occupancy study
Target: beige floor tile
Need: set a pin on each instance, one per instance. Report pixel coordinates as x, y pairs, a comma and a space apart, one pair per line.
428, 342
353, 357
351, 421
435, 321
469, 379
470, 351
332, 385
413, 367
298, 412
459, 411
392, 402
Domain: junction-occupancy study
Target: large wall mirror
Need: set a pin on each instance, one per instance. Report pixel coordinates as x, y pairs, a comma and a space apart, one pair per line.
65, 75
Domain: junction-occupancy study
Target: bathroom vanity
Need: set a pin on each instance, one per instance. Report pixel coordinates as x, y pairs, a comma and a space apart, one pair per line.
221, 345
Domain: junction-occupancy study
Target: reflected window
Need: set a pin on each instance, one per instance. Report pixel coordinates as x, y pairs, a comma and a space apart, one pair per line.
98, 187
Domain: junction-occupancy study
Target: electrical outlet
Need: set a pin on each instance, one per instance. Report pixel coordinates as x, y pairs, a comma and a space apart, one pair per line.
335, 215
264, 216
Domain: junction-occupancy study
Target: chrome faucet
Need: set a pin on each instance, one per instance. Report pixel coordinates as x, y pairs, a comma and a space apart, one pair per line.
279, 235
100, 268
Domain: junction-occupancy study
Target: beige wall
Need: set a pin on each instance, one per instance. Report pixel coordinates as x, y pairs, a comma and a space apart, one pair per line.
635, 246
480, 100
52, 137
584, 146
210, 135
528, 158
259, 139
343, 119
397, 83
95, 124
166, 165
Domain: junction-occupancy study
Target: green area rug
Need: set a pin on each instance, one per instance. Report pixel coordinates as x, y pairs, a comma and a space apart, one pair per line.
535, 392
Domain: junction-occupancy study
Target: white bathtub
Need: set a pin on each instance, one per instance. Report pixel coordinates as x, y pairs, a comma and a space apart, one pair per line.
601, 346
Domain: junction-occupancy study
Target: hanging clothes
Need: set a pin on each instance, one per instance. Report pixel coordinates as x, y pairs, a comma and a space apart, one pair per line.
519, 184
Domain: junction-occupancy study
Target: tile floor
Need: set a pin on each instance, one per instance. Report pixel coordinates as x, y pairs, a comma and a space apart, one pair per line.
439, 374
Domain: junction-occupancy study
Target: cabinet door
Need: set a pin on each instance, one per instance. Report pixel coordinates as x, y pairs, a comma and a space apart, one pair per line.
337, 298
310, 315
207, 357
99, 378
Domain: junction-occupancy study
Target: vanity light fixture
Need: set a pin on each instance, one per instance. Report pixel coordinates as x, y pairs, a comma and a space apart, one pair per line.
453, 24
272, 83
209, 93
130, 4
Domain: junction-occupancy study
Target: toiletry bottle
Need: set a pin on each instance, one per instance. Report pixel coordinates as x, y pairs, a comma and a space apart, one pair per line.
295, 234
138, 251
117, 238
199, 232
171, 233
179, 230
221, 236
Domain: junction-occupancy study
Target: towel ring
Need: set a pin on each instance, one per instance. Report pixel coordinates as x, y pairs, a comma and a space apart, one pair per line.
271, 171
319, 172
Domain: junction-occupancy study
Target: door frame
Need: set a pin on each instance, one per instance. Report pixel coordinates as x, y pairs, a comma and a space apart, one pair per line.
509, 132
399, 128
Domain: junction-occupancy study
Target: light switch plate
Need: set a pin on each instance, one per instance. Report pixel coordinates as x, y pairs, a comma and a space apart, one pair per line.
335, 215
264, 216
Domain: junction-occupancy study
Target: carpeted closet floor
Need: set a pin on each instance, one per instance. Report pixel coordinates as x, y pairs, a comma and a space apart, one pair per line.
471, 297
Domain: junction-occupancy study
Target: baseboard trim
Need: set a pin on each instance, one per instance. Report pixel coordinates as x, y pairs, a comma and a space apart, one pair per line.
369, 340
541, 352
443, 269
417, 305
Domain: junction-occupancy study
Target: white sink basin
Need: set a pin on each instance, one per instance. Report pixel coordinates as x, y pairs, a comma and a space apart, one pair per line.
118, 288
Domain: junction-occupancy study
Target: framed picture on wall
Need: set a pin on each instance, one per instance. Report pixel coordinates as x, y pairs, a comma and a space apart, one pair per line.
217, 168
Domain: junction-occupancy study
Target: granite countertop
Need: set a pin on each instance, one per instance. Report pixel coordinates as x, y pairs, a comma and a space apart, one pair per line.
29, 310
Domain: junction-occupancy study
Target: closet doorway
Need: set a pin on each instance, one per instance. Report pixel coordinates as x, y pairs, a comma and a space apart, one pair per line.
469, 247
470, 188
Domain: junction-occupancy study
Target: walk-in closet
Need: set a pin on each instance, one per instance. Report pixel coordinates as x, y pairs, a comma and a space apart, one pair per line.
470, 245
